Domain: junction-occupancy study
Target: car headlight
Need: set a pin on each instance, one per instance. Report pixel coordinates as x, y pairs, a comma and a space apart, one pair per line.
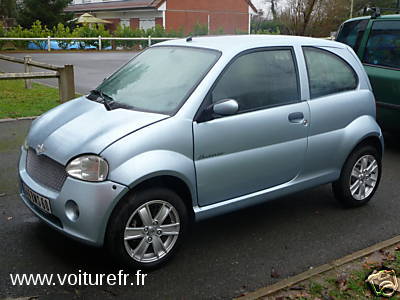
88, 168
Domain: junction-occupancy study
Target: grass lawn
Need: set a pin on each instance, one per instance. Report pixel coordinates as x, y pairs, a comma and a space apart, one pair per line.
16, 101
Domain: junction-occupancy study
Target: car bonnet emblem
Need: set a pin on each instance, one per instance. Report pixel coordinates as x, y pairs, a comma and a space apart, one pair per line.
40, 149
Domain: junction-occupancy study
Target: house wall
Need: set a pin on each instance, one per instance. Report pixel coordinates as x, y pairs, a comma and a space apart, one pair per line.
229, 15
133, 18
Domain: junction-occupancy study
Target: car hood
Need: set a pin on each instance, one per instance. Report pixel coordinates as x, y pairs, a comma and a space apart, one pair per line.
83, 126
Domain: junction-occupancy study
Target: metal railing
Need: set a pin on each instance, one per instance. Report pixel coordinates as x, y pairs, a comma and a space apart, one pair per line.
99, 39
65, 75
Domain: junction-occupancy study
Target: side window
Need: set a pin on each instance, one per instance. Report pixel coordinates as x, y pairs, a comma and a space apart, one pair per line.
351, 33
259, 79
327, 73
383, 47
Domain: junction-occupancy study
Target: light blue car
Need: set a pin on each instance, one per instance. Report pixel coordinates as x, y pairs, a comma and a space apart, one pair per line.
199, 127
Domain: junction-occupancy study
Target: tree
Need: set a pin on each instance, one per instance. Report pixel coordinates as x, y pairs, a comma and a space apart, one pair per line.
298, 15
48, 12
359, 5
273, 9
7, 8
320, 17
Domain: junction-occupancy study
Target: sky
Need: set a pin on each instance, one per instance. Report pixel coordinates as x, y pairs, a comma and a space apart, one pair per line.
260, 4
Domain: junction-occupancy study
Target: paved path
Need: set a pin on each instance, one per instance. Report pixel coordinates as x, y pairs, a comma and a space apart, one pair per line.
223, 257
90, 68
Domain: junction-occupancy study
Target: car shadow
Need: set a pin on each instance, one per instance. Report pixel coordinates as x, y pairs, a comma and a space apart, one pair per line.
218, 233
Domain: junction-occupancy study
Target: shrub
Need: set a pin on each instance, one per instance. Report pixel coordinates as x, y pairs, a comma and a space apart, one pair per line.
2, 34
200, 29
124, 31
62, 31
219, 31
18, 32
91, 31
37, 30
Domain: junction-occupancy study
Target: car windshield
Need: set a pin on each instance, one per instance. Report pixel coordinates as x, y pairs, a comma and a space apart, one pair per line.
159, 79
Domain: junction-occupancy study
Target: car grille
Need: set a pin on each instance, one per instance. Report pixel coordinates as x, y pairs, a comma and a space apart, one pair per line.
45, 170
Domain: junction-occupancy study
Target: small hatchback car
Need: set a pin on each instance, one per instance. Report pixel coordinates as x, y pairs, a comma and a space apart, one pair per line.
194, 128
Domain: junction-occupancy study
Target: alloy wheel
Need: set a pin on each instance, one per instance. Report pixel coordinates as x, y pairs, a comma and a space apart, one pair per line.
364, 177
151, 231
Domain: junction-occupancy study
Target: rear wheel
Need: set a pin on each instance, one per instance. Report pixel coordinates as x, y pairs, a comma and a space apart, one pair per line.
146, 230
359, 178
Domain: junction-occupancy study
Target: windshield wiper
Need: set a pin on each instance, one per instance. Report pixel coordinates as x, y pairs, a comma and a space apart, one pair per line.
107, 100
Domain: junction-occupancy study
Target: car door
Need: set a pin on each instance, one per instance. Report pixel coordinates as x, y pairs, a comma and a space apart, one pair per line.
381, 59
335, 102
261, 146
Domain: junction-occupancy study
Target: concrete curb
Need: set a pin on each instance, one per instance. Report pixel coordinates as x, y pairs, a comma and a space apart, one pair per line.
18, 119
262, 292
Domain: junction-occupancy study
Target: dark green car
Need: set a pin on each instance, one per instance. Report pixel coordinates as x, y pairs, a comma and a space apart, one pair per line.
376, 40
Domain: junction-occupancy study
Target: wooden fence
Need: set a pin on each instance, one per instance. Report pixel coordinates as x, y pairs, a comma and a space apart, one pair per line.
65, 75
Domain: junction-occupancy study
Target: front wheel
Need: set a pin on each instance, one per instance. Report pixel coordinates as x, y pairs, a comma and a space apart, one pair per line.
359, 178
146, 230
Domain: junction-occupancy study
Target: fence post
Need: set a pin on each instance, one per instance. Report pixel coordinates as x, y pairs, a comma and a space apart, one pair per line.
99, 42
66, 84
149, 40
28, 69
48, 44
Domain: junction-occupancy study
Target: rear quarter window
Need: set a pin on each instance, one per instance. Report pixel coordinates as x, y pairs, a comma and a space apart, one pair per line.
328, 73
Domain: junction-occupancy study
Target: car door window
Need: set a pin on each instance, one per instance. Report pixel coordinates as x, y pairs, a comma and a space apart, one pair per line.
328, 73
258, 80
383, 47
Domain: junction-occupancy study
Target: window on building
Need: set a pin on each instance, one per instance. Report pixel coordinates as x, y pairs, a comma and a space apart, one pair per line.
125, 22
383, 47
328, 73
259, 80
147, 23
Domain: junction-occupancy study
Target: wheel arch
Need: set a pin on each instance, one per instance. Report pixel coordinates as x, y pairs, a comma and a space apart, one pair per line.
373, 139
169, 181
172, 182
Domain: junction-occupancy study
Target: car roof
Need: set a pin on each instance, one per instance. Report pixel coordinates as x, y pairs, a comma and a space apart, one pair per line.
239, 43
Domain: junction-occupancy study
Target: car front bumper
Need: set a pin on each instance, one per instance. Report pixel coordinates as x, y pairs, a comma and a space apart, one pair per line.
94, 200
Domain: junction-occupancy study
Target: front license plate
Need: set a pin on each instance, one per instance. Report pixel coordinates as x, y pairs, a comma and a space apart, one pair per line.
40, 201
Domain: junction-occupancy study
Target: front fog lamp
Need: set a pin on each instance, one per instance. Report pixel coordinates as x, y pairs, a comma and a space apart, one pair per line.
88, 168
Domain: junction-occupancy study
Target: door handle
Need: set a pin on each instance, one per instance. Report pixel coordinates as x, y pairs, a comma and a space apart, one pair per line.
296, 117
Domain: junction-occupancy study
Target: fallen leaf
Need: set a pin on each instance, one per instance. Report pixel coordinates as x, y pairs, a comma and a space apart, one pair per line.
341, 282
274, 273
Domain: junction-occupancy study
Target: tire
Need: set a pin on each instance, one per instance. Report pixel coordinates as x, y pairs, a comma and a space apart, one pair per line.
364, 183
153, 241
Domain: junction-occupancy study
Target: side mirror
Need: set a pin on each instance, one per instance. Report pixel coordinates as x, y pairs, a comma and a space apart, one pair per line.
226, 107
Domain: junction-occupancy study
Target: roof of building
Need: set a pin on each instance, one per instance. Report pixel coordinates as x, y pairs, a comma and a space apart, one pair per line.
238, 43
123, 5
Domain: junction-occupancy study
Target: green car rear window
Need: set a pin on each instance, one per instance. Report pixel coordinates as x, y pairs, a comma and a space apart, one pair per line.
383, 47
351, 33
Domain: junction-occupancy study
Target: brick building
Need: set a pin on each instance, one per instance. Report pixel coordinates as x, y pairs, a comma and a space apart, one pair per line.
230, 15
